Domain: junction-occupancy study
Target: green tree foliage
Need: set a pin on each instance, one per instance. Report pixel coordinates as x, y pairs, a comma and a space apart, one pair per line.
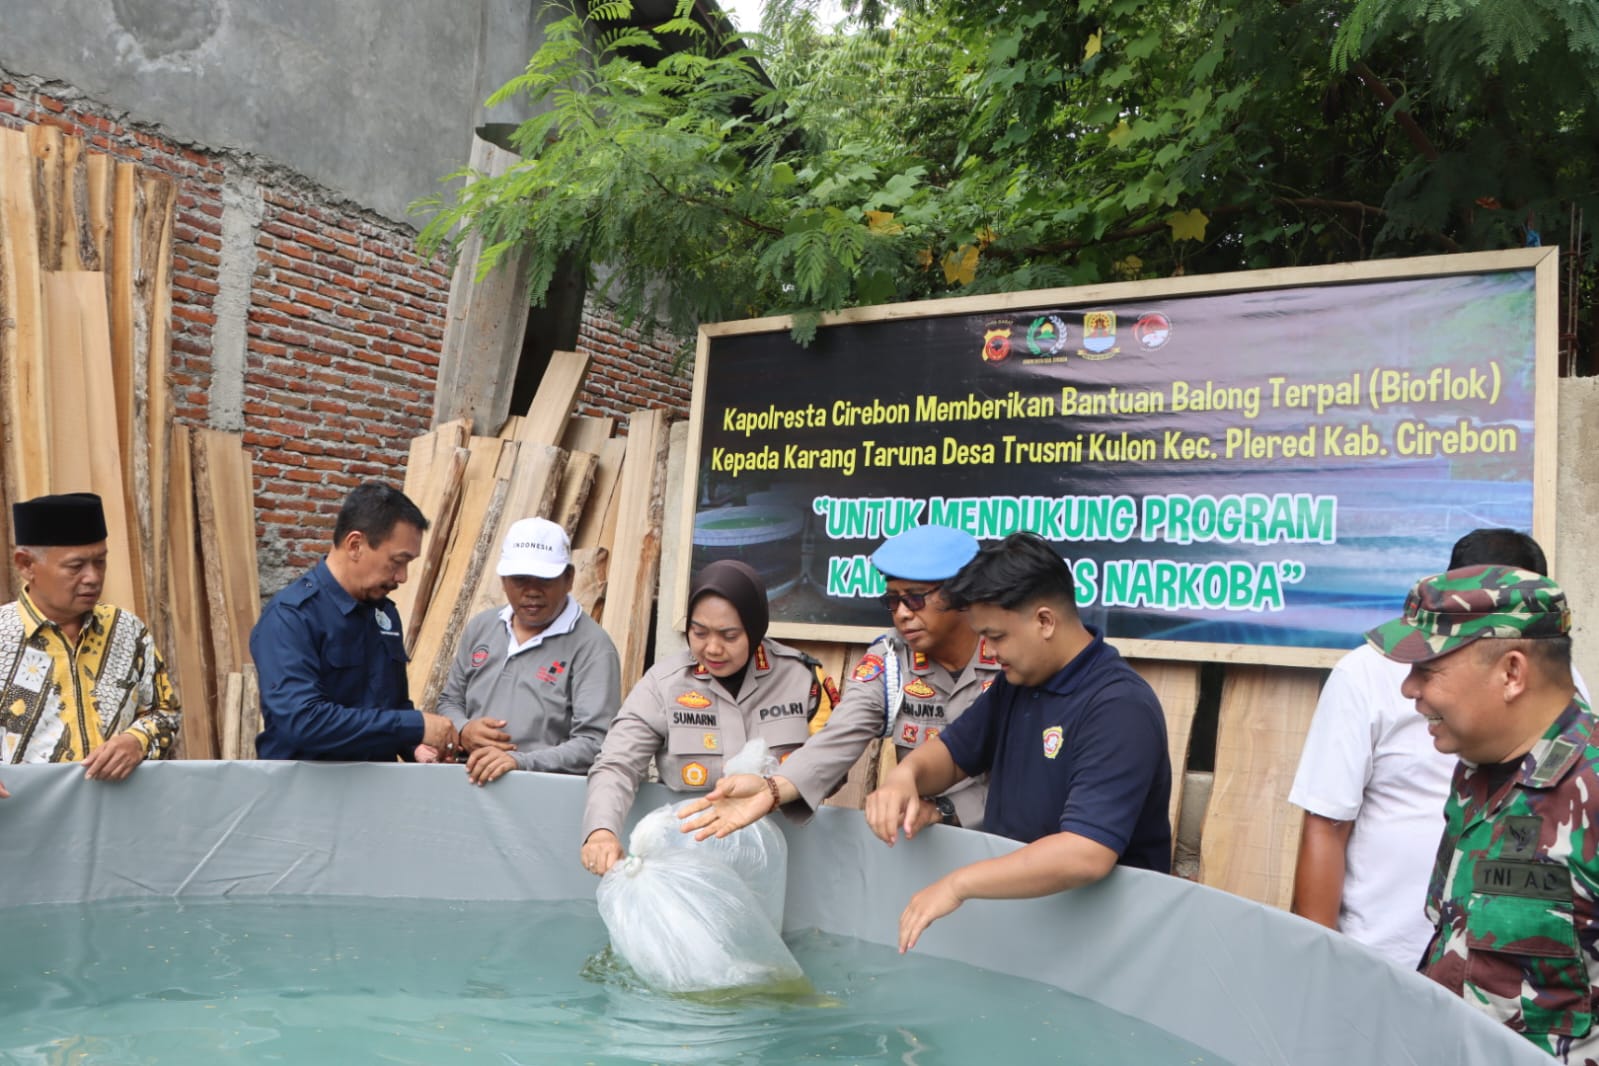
951, 147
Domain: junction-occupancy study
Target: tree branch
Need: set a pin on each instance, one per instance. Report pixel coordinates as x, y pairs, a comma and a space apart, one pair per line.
1406, 120
743, 220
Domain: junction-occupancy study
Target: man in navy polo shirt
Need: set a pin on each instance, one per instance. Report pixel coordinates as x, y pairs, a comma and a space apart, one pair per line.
1073, 740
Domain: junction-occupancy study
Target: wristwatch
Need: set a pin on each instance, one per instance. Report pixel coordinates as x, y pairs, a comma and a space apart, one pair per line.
947, 810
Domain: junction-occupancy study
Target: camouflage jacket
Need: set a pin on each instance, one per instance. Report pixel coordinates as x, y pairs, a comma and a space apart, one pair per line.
1514, 897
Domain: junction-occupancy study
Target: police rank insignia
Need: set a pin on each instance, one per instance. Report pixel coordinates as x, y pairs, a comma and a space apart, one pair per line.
711, 742
1054, 737
920, 689
700, 671
695, 775
761, 662
986, 683
695, 700
985, 656
869, 668
918, 660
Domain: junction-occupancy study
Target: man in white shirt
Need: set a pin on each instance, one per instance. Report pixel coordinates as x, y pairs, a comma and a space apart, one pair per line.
1372, 787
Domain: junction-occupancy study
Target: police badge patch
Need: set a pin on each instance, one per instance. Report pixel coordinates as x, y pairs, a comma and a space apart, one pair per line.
1054, 737
868, 669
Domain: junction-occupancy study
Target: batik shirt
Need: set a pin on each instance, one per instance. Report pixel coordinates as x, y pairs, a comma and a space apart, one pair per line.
60, 701
1515, 892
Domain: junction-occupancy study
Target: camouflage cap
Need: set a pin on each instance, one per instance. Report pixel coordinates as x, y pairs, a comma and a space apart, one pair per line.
1448, 611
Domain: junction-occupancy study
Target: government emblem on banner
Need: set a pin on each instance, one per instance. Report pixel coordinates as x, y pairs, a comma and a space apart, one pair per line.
1054, 737
1047, 335
1099, 335
1152, 331
996, 342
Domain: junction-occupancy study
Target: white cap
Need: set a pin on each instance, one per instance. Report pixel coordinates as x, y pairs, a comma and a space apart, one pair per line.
535, 547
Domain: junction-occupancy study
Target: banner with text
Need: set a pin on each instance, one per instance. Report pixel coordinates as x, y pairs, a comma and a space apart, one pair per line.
1271, 467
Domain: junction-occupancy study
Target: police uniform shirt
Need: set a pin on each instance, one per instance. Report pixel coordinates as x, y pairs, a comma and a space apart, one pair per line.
1084, 753
683, 717
929, 700
332, 672
557, 693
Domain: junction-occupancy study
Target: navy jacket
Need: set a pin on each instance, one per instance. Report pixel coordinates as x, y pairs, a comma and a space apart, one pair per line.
332, 673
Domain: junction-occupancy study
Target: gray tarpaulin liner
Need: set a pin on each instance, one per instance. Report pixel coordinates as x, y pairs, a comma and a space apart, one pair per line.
1251, 984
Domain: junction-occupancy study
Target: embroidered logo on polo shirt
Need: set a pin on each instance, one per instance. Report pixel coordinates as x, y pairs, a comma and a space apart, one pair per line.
920, 689
480, 655
693, 699
383, 621
1054, 737
551, 672
695, 775
907, 733
712, 742
868, 668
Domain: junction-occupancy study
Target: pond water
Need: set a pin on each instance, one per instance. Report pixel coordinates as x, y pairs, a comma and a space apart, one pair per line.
340, 980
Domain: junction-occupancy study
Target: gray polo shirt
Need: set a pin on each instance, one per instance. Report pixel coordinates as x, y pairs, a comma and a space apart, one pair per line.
557, 693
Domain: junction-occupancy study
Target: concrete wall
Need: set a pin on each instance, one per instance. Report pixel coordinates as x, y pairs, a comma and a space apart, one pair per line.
1576, 563
373, 99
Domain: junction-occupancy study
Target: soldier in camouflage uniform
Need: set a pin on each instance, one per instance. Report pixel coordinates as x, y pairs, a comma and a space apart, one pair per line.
1515, 892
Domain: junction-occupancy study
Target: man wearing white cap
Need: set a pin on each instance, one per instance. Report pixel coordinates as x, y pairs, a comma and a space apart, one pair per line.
535, 683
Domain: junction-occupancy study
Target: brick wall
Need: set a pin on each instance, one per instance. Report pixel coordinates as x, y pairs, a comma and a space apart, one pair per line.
340, 322
629, 372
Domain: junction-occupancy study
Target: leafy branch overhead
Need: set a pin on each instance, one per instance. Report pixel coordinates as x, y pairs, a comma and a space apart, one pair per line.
944, 147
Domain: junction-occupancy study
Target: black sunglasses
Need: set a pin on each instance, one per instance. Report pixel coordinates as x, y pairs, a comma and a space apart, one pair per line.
914, 600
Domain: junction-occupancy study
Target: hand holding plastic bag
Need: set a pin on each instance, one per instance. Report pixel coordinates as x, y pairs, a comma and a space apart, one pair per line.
684, 920
758, 853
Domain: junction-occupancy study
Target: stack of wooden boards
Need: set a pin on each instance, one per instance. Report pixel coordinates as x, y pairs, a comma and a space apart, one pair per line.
85, 300
607, 492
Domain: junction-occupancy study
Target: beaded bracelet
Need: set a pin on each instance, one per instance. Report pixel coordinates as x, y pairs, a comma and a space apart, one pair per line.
777, 798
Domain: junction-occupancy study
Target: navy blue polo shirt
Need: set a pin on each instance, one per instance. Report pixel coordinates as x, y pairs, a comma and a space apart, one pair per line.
1084, 753
332, 671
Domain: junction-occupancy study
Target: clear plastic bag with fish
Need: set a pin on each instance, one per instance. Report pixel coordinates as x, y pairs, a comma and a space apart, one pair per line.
685, 920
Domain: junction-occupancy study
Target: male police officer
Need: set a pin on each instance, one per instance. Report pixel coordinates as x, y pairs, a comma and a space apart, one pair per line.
1515, 891
920, 677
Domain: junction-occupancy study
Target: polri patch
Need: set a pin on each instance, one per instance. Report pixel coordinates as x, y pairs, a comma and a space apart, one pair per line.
695, 775
1054, 737
695, 700
868, 669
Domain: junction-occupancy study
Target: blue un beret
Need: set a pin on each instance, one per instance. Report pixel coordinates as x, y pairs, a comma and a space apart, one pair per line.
925, 553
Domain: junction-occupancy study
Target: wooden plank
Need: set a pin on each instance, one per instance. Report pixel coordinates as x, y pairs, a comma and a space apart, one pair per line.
669, 616
511, 427
1176, 685
534, 482
189, 647
249, 712
576, 484
587, 433
485, 322
66, 241
545, 422
483, 491
230, 713
100, 174
83, 422
630, 588
225, 504
588, 580
433, 474
23, 375
600, 514
124, 375
1251, 834
152, 332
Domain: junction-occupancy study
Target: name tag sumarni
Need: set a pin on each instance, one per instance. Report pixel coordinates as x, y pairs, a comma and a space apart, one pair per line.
1533, 880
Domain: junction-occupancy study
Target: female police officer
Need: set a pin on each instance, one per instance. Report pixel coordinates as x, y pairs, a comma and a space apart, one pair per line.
732, 685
